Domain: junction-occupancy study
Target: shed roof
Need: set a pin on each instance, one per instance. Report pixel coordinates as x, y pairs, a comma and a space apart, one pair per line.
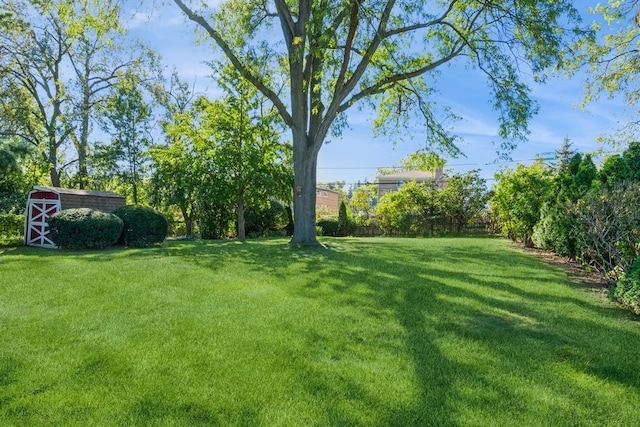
71, 191
105, 201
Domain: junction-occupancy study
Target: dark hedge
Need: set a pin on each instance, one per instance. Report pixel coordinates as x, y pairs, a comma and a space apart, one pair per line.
84, 228
143, 226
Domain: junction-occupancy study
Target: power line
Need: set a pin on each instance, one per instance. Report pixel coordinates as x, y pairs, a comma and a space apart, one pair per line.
400, 167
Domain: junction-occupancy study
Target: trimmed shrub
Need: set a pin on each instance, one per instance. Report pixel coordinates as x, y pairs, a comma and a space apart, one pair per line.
84, 228
263, 221
11, 224
289, 227
329, 227
626, 291
143, 226
11, 229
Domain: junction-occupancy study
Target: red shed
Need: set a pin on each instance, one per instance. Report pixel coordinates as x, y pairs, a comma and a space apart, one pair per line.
45, 201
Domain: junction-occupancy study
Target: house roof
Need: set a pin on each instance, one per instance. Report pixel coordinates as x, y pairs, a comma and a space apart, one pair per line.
408, 176
319, 187
74, 192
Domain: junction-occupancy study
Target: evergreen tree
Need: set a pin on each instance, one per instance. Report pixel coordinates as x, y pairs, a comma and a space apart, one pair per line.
343, 220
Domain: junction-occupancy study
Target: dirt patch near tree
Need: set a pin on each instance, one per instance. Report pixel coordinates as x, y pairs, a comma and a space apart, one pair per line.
577, 274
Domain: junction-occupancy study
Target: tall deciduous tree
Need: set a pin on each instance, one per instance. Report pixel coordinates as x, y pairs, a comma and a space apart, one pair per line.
127, 118
100, 56
232, 146
464, 197
175, 181
34, 46
518, 198
246, 144
60, 58
335, 54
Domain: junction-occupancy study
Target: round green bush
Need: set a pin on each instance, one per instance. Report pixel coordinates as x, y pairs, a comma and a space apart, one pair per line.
329, 227
626, 291
264, 220
143, 226
11, 224
84, 228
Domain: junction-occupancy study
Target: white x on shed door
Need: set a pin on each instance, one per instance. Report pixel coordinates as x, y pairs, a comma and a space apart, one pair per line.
37, 233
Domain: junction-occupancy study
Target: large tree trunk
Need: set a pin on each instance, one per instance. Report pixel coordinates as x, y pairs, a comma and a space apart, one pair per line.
188, 219
82, 144
241, 222
52, 158
55, 176
305, 158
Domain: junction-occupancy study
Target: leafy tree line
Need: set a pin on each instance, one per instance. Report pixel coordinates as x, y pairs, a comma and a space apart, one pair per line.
575, 209
224, 159
417, 208
68, 69
420, 208
79, 106
60, 61
333, 55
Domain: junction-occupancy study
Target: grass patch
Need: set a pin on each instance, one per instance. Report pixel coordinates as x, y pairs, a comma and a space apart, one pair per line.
359, 332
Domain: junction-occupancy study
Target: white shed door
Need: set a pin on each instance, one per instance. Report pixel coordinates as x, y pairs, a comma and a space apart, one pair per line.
37, 233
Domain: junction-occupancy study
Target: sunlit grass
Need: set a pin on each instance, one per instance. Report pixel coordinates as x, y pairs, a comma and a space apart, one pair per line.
360, 332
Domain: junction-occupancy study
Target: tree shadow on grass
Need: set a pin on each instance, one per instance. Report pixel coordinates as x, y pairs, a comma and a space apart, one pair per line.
527, 327
504, 306
507, 305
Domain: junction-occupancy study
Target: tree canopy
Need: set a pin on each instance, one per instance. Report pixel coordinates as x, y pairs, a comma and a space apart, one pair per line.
610, 60
58, 61
336, 54
518, 198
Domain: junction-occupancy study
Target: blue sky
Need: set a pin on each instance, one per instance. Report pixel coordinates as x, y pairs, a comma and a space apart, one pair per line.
357, 154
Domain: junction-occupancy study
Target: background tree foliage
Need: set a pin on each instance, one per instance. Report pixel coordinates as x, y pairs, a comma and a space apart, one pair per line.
427, 208
403, 211
518, 196
58, 61
223, 157
611, 59
13, 182
127, 118
464, 197
363, 201
590, 215
334, 55
608, 231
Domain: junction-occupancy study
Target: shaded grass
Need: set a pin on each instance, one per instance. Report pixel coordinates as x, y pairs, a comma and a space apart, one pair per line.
360, 332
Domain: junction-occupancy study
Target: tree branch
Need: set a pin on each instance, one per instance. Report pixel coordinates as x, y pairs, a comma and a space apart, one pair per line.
244, 71
381, 86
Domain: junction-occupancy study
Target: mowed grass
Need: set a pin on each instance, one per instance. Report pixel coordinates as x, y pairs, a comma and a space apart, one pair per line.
369, 332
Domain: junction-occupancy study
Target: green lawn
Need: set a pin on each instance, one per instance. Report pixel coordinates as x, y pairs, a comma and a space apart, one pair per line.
406, 332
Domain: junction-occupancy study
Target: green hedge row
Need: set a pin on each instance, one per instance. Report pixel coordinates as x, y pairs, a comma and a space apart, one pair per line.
134, 226
143, 226
626, 291
11, 225
84, 228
